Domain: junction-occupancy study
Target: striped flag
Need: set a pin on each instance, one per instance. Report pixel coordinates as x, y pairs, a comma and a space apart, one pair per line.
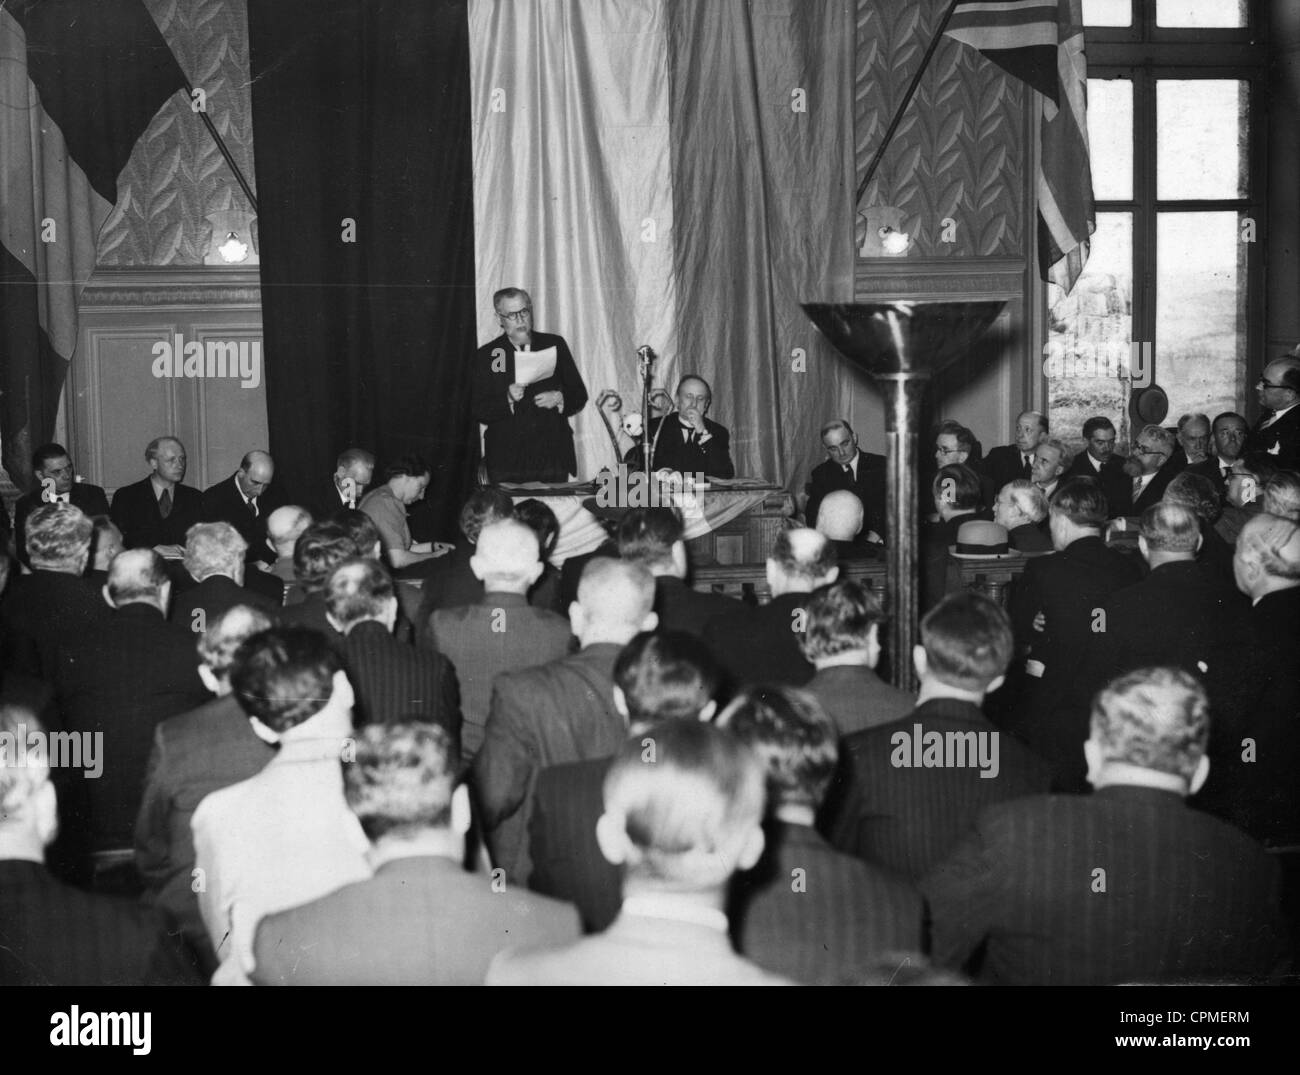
1040, 42
79, 84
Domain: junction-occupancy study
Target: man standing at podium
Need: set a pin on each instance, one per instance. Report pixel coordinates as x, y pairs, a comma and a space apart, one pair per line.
525, 386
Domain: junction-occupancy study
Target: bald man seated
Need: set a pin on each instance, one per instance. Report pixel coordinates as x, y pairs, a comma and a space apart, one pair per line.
244, 500
559, 712
284, 527
502, 632
841, 517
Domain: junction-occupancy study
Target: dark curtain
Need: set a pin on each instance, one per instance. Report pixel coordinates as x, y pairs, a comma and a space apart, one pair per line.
361, 112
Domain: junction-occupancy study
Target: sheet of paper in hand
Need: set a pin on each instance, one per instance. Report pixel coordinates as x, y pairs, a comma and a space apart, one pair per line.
534, 366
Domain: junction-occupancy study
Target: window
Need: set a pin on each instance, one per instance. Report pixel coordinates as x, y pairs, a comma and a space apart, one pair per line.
1172, 289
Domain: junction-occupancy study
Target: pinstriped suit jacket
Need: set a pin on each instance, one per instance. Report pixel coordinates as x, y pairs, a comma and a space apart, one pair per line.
394, 681
1186, 896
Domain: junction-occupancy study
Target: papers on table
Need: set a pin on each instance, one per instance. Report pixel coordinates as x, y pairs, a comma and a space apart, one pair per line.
534, 366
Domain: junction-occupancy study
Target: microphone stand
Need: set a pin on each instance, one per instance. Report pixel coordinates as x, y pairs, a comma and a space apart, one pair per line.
645, 363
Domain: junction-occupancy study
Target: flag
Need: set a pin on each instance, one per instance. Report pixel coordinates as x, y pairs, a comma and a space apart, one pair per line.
1040, 42
79, 83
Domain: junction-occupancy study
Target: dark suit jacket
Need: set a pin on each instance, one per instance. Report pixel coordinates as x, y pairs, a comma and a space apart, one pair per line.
449, 584
855, 698
1186, 896
1069, 587
557, 712
192, 756
907, 818
135, 513
566, 859
53, 934
1003, 464
121, 679
528, 444
502, 633
1117, 485
1155, 490
215, 595
1280, 442
323, 499
712, 459
1209, 468
681, 608
759, 644
938, 573
1255, 742
1029, 538
223, 504
417, 921
310, 612
820, 917
89, 498
271, 587
38, 612
868, 486
394, 681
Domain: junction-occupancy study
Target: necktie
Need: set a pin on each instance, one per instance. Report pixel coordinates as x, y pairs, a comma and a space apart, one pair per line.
252, 506
1026, 468
1137, 488
165, 503
848, 470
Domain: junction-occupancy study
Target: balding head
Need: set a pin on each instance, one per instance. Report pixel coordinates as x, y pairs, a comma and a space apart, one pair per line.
615, 602
137, 576
284, 527
507, 557
801, 560
1267, 557
840, 516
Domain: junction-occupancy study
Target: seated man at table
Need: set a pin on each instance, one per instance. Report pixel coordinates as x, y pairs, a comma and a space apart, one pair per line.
687, 441
846, 467
157, 511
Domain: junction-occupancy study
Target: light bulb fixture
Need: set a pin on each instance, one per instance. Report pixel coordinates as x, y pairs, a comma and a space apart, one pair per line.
232, 239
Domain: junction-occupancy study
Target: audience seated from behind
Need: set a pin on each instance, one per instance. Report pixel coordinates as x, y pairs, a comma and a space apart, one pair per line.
451, 582
842, 640
52, 933
910, 789
762, 644
501, 632
393, 681
841, 518
681, 827
39, 611
284, 527
284, 836
105, 544
956, 495
421, 919
653, 538
1282, 496
1244, 498
541, 520
1125, 885
805, 910
320, 549
1021, 507
120, 678
193, 755
365, 535
561, 711
1198, 493
215, 559
659, 676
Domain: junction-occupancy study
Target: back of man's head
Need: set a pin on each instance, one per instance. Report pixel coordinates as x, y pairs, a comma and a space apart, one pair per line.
967, 642
615, 602
1282, 495
801, 560
58, 538
797, 741
1029, 499
226, 632
542, 521
844, 617
506, 557
1267, 556
1170, 531
402, 779
1081, 502
359, 590
840, 516
320, 549
137, 576
1154, 719
214, 549
955, 489
361, 528
648, 536
28, 805
690, 819
285, 676
285, 526
666, 675
105, 542
1197, 492
484, 506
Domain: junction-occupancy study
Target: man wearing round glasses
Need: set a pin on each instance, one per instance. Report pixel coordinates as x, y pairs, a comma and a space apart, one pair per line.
525, 387
1277, 434
1150, 467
